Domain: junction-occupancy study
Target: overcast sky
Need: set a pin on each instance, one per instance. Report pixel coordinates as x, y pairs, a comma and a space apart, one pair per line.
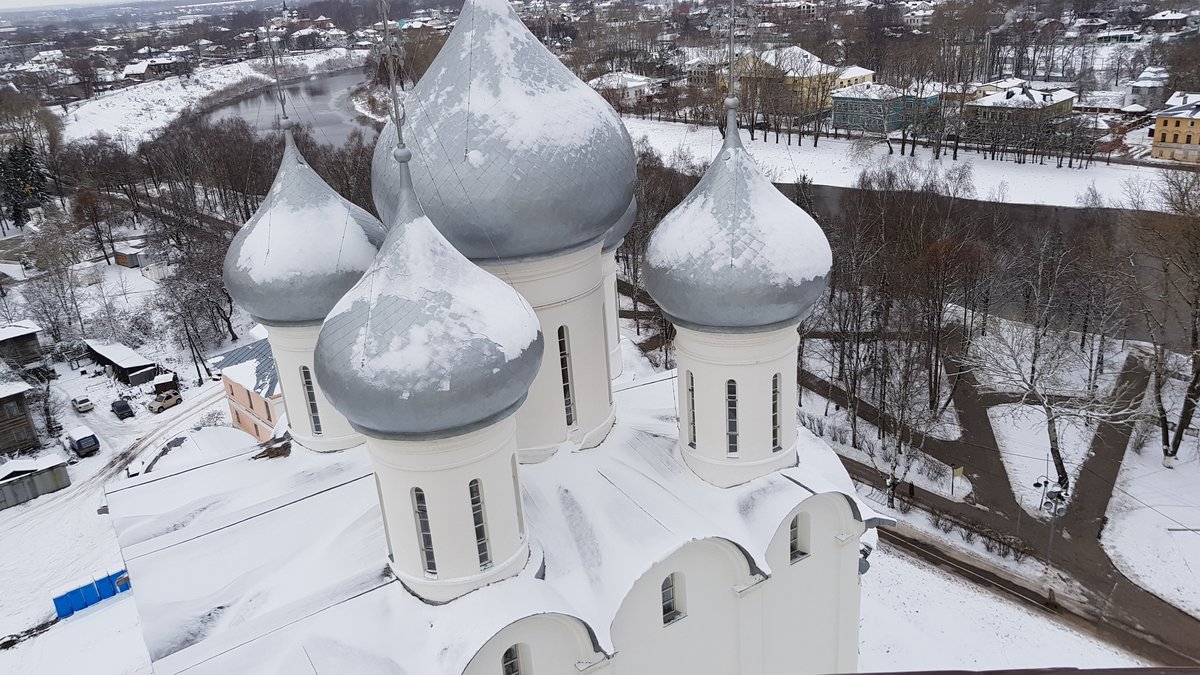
37, 4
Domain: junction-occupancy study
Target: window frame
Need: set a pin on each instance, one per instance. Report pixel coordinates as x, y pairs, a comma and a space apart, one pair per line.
482, 545
568, 381
310, 399
424, 533
670, 595
731, 419
776, 413
691, 409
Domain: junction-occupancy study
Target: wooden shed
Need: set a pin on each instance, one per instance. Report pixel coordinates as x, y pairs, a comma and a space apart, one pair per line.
126, 365
130, 257
16, 426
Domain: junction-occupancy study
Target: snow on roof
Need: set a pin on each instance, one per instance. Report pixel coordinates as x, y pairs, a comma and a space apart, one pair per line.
13, 388
314, 522
119, 354
796, 61
1167, 15
1189, 110
1134, 108
165, 378
251, 366
856, 71
873, 91
18, 329
1023, 97
1181, 97
621, 80
1006, 83
81, 431
24, 466
135, 69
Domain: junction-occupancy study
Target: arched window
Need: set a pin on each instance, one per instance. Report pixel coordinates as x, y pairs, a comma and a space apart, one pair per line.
310, 396
564, 364
510, 662
481, 538
421, 513
798, 537
672, 598
731, 423
776, 415
691, 409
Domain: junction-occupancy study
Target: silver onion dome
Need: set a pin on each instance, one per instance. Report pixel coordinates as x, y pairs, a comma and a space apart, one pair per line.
426, 344
302, 249
617, 232
736, 254
515, 157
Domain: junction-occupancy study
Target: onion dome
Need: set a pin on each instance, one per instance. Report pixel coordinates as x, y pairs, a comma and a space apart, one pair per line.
616, 233
426, 344
304, 247
515, 157
736, 254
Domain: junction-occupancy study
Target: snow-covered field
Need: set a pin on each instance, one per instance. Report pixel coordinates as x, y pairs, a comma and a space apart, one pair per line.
835, 162
136, 112
1025, 448
917, 617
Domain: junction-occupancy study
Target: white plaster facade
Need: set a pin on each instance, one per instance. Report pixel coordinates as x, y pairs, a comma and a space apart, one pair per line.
612, 312
565, 291
445, 472
292, 347
762, 368
798, 617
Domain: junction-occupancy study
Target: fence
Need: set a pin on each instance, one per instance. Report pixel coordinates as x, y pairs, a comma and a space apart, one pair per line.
83, 594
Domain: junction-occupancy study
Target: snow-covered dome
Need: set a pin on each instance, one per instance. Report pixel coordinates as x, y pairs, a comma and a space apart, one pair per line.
736, 254
515, 157
426, 344
304, 247
617, 232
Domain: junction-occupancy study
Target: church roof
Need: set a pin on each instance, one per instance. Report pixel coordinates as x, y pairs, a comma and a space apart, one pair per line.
286, 563
515, 157
426, 326
736, 254
302, 249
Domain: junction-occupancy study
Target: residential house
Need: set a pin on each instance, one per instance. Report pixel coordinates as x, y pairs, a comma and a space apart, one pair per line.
1021, 104
16, 425
1149, 89
19, 345
252, 388
1177, 134
628, 88
1165, 21
875, 108
854, 75
791, 78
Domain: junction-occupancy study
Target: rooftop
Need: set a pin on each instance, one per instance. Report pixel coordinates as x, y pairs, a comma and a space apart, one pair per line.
314, 522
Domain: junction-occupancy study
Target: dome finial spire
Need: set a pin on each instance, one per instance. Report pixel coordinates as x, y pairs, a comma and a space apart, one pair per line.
731, 101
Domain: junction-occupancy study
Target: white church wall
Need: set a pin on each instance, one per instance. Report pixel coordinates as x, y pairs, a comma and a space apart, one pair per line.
704, 641
443, 470
810, 606
548, 643
565, 290
751, 360
292, 347
612, 309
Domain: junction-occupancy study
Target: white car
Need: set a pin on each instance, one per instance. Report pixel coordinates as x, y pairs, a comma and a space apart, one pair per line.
165, 400
82, 404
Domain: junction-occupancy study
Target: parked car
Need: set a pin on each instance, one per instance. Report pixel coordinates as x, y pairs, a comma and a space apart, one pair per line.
167, 399
122, 409
82, 404
81, 441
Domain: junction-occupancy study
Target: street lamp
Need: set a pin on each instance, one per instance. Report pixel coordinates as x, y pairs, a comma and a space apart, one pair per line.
1053, 501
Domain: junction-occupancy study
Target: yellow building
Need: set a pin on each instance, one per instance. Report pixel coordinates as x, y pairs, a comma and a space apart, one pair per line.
1177, 135
793, 79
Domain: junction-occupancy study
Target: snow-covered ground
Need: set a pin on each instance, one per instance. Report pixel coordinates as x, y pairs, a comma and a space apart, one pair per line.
917, 617
136, 112
1025, 448
1153, 533
837, 163
58, 538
